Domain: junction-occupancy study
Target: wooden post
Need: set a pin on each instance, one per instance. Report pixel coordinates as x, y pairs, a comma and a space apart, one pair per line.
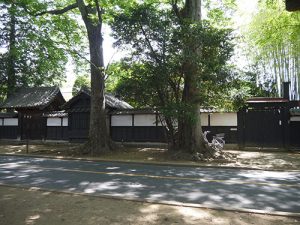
286, 127
241, 128
27, 118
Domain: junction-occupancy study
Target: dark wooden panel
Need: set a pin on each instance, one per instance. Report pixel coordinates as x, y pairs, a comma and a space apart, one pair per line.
264, 128
79, 120
57, 133
295, 134
33, 126
121, 133
78, 126
9, 132
273, 129
253, 133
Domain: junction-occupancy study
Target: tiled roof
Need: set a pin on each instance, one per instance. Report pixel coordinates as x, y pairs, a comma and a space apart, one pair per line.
110, 101
34, 97
114, 102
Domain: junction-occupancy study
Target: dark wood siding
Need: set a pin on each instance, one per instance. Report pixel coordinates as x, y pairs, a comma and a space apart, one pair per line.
57, 133
9, 132
33, 125
262, 127
78, 126
295, 134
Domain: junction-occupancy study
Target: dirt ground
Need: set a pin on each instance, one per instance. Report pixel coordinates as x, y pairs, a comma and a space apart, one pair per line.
282, 160
23, 206
27, 207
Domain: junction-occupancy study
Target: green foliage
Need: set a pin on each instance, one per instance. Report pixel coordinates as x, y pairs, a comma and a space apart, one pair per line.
273, 38
162, 48
243, 85
220, 13
82, 81
41, 46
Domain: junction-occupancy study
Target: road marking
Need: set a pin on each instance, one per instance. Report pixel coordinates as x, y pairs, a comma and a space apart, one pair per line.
166, 177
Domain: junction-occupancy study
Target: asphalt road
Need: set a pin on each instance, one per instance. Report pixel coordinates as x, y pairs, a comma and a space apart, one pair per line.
270, 191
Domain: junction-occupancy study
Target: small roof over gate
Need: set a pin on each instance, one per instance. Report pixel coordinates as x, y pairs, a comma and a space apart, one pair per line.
34, 98
266, 100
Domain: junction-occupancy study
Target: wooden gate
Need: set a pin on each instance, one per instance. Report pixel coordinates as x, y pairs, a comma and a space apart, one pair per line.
33, 126
262, 127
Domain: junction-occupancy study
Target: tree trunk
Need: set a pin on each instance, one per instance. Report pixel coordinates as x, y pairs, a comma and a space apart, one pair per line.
99, 140
11, 71
191, 135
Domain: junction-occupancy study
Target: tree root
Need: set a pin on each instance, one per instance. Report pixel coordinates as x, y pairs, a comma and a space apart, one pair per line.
207, 154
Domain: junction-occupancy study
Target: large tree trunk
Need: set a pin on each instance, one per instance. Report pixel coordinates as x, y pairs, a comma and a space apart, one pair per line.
11, 70
99, 140
191, 137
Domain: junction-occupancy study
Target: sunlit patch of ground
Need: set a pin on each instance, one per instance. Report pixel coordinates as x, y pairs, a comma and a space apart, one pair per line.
250, 159
18, 206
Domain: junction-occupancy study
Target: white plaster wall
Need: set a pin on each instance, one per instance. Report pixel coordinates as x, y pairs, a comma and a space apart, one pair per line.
121, 120
54, 122
145, 120
65, 122
10, 122
204, 119
295, 118
223, 119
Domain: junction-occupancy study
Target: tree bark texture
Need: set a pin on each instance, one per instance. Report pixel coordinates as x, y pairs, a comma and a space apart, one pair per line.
11, 70
191, 135
99, 140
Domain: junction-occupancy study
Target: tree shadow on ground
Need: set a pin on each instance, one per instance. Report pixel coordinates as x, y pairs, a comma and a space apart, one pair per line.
30, 207
229, 188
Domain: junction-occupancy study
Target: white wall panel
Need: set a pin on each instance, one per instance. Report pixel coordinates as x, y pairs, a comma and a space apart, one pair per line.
295, 118
10, 122
121, 120
54, 122
145, 120
223, 119
204, 119
65, 121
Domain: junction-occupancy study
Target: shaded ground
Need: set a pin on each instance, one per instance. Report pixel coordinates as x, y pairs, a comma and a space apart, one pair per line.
234, 189
21, 206
251, 159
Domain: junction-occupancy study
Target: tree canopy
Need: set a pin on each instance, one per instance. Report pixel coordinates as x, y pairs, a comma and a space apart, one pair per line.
274, 47
34, 50
176, 63
82, 81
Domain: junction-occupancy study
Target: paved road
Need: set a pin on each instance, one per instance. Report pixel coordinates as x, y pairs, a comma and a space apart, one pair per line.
210, 187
